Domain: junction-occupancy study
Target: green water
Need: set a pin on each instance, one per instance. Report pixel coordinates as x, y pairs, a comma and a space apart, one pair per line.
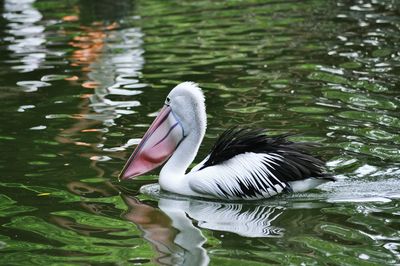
81, 80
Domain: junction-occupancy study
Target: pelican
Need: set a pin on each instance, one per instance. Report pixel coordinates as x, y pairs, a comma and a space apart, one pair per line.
244, 164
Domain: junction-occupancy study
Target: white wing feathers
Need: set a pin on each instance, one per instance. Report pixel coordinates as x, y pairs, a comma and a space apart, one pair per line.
245, 176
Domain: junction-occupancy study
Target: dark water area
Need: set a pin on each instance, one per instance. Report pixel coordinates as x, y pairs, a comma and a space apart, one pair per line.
81, 80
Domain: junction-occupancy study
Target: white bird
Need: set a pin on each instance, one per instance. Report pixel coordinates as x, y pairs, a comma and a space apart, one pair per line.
244, 164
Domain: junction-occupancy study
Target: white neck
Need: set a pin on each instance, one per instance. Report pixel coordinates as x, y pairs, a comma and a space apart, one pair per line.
172, 175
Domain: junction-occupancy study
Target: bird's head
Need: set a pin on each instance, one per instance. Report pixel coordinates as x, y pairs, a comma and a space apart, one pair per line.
183, 114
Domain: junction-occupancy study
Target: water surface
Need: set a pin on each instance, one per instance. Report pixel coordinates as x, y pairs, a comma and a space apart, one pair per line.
80, 82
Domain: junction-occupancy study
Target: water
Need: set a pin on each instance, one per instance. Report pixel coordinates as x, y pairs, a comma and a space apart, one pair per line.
80, 81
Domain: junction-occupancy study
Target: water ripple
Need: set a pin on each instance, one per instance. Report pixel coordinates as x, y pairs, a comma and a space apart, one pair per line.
82, 81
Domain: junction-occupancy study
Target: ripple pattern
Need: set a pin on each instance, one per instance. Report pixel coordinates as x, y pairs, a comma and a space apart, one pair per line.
81, 81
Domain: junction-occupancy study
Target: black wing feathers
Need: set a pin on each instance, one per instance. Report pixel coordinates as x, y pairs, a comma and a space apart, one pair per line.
292, 161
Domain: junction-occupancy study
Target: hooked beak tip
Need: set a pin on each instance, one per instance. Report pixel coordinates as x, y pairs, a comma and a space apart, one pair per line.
122, 176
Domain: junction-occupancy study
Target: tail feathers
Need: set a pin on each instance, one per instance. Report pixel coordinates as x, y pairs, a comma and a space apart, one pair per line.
309, 183
328, 177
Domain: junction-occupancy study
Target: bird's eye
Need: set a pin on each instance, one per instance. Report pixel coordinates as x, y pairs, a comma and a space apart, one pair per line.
168, 100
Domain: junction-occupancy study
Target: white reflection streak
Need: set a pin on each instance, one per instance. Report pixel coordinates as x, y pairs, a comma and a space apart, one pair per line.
27, 38
116, 72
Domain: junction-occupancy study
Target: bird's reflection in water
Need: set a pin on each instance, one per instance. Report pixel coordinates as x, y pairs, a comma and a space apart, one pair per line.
172, 234
248, 221
174, 225
170, 227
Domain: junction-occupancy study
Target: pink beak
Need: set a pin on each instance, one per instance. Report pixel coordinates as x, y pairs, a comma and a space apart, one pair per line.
157, 145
